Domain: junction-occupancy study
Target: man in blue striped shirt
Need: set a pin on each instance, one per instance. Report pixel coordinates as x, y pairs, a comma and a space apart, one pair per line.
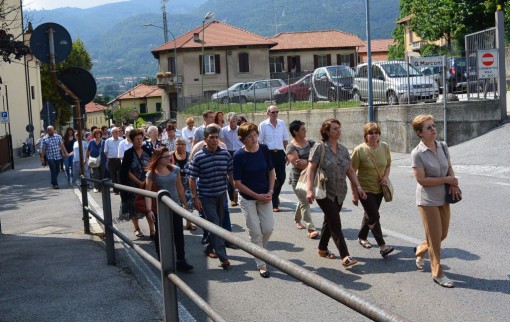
213, 167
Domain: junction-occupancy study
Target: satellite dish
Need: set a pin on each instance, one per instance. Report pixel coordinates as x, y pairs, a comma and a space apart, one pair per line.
40, 42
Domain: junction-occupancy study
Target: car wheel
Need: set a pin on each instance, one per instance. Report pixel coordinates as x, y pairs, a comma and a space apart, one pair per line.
331, 96
243, 100
356, 96
225, 100
392, 98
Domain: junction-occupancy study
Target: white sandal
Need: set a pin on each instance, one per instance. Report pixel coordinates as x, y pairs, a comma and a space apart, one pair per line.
444, 281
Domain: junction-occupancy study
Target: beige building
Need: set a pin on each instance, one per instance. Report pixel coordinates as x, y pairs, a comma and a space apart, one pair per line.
146, 100
308, 50
412, 43
232, 55
20, 86
95, 115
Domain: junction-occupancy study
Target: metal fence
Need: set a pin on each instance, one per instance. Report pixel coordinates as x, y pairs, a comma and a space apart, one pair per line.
485, 39
170, 281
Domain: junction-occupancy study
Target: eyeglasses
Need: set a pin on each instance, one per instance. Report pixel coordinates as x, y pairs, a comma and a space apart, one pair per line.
274, 112
373, 133
430, 127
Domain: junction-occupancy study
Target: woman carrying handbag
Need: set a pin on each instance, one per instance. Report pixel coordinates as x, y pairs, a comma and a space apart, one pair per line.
371, 161
336, 164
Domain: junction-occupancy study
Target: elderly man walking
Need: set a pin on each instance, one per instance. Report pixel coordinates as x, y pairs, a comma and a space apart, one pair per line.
273, 133
209, 171
52, 147
229, 136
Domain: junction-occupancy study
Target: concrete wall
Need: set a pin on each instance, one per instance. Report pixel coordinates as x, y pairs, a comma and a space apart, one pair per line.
466, 120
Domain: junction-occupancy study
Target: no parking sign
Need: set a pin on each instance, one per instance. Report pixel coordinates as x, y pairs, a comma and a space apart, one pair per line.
487, 63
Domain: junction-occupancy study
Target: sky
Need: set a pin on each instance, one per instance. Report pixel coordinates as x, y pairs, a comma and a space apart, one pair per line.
52, 4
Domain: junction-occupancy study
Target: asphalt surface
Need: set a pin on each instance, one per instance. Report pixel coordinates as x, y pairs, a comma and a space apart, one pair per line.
474, 255
49, 269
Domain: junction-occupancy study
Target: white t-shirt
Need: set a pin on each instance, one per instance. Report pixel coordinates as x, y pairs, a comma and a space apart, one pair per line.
76, 150
188, 134
123, 146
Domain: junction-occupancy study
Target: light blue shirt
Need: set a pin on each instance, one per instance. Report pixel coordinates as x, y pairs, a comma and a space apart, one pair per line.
231, 138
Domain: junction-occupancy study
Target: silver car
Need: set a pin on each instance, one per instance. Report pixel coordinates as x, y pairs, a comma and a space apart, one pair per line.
230, 94
391, 83
261, 90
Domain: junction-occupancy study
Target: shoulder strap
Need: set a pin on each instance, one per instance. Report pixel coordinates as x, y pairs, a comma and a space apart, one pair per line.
323, 151
371, 157
444, 150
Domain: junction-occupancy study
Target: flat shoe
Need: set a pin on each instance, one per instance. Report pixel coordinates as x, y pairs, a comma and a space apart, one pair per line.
138, 233
365, 243
264, 274
444, 281
348, 261
387, 251
299, 225
210, 255
191, 227
276, 210
313, 234
225, 265
326, 254
420, 262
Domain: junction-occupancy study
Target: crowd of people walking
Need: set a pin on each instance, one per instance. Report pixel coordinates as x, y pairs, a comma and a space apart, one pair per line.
228, 158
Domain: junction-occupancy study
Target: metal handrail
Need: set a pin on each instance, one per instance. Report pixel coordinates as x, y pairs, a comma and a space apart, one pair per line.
166, 265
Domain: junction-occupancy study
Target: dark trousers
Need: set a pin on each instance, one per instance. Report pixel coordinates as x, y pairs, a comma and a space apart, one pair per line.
178, 237
332, 226
371, 218
278, 157
113, 168
54, 166
230, 187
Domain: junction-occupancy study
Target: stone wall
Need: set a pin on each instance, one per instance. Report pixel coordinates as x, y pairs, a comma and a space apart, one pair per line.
465, 120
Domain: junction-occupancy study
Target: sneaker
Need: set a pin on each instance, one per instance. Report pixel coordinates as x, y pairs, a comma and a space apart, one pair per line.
183, 266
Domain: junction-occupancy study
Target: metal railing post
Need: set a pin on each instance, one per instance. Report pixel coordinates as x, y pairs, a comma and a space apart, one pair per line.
167, 257
84, 204
108, 224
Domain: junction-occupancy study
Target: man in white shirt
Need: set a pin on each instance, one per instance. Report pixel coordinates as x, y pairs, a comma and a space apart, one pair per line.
125, 144
111, 150
229, 136
273, 133
188, 132
208, 117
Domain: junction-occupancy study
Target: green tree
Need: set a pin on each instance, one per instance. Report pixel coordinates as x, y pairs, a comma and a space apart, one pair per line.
79, 57
397, 51
123, 116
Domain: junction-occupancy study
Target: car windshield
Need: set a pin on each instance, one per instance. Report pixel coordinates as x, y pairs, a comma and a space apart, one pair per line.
340, 72
400, 70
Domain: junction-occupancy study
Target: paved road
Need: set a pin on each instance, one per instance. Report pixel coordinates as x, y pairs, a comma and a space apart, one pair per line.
475, 254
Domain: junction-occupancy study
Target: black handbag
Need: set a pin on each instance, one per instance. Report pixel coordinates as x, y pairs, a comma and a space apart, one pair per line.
448, 196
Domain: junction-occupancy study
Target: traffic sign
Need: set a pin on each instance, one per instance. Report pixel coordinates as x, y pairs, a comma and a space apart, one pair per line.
40, 42
432, 61
4, 118
487, 63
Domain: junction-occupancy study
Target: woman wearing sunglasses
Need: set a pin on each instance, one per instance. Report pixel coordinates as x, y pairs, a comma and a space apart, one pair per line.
365, 157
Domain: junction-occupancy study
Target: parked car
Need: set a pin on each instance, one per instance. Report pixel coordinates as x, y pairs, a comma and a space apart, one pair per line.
297, 91
391, 84
331, 83
261, 90
230, 94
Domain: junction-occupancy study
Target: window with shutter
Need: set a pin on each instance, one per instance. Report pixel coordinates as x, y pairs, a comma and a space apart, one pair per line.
244, 63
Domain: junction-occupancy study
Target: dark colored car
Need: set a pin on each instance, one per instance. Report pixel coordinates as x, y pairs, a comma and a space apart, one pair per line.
297, 91
332, 83
456, 74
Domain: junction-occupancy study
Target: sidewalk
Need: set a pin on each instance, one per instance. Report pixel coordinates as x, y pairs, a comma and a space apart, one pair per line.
49, 269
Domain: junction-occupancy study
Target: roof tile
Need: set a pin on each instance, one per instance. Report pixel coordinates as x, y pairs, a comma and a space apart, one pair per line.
315, 40
378, 45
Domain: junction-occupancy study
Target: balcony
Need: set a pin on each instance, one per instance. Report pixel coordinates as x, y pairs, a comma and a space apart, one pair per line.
167, 80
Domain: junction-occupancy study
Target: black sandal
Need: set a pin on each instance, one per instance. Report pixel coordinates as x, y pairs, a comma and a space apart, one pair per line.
387, 251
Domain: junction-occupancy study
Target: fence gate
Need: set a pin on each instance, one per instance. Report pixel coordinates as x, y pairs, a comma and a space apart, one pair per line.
485, 39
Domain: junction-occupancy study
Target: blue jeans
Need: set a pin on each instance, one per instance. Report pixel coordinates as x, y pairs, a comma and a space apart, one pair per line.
213, 208
54, 166
225, 223
68, 166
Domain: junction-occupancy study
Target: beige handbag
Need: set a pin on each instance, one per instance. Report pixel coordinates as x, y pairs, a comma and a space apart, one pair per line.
319, 185
386, 189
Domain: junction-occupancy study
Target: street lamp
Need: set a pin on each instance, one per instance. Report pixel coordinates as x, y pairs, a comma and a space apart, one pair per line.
207, 16
165, 34
133, 88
